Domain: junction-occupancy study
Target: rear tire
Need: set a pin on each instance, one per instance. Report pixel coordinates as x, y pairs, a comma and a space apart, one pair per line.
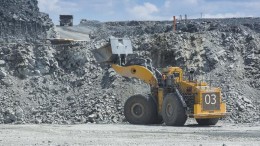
213, 121
173, 112
140, 110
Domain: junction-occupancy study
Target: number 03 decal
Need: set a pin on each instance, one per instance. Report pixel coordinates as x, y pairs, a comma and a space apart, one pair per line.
210, 99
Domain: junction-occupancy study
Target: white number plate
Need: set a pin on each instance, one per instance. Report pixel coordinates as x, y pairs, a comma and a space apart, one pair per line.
210, 101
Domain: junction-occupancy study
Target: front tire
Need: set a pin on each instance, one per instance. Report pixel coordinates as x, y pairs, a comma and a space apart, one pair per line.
173, 112
140, 110
204, 122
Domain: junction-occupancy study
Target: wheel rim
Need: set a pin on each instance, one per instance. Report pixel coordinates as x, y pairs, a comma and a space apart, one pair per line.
169, 110
137, 110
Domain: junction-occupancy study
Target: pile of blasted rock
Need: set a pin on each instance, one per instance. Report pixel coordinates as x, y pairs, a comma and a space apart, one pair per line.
20, 21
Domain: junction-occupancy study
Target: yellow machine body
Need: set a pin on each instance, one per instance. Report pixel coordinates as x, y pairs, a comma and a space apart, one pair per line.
202, 94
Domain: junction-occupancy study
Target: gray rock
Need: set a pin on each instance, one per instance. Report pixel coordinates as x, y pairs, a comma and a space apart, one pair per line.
37, 72
2, 62
38, 121
9, 116
246, 100
1, 118
240, 106
2, 73
92, 118
19, 113
250, 106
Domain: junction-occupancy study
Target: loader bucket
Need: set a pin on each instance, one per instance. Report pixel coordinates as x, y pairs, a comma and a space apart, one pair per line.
103, 54
109, 52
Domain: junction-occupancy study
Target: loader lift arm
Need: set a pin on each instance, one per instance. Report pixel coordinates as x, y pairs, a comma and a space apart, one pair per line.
115, 53
137, 71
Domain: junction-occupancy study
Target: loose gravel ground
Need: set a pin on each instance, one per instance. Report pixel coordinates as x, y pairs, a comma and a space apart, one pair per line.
44, 83
124, 134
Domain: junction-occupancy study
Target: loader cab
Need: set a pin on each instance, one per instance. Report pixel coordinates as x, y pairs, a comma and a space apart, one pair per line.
176, 73
171, 75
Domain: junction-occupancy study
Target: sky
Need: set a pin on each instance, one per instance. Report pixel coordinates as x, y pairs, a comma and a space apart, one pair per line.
120, 10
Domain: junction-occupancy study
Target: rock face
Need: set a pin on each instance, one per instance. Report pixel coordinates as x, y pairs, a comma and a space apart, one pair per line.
44, 83
20, 20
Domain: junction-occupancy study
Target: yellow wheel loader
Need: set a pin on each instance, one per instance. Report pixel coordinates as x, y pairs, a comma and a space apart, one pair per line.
172, 100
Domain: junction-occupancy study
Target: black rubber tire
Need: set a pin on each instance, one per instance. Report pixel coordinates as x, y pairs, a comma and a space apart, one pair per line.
158, 119
212, 121
140, 110
173, 113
